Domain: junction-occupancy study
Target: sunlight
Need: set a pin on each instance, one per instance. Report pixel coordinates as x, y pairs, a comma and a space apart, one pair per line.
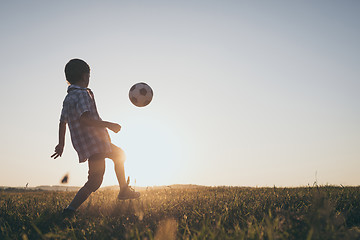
153, 152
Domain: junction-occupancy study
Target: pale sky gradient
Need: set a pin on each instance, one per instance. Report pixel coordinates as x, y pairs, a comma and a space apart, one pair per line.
247, 93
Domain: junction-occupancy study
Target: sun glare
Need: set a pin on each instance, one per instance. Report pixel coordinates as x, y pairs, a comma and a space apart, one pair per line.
153, 153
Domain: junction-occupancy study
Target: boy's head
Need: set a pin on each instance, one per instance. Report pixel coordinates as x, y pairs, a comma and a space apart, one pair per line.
75, 70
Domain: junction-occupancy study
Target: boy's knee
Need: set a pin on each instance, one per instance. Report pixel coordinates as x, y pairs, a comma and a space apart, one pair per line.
96, 172
118, 154
95, 183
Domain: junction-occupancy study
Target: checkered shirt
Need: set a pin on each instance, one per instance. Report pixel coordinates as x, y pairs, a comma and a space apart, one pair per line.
86, 140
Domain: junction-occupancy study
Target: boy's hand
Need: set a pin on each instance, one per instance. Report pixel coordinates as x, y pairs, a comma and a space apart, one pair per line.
114, 127
58, 151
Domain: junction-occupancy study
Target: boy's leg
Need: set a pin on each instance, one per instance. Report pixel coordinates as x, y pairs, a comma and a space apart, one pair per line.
95, 176
118, 157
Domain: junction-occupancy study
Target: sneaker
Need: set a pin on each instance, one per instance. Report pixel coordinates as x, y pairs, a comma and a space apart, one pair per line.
128, 193
68, 213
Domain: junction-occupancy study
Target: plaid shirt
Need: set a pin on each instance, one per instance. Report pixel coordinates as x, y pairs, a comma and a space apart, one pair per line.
85, 139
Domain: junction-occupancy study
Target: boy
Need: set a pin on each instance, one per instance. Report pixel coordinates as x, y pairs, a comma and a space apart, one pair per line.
89, 135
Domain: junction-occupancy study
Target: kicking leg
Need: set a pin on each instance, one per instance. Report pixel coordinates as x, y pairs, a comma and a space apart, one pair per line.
118, 156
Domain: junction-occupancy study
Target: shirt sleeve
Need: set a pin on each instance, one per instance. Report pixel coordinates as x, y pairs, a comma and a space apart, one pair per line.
83, 105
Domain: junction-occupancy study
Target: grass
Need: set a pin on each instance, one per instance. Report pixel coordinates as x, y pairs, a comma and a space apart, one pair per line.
199, 213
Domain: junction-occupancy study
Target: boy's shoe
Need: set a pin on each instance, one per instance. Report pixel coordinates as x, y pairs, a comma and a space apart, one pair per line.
128, 193
68, 213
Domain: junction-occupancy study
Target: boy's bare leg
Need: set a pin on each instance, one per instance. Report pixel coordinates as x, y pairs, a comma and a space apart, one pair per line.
120, 173
95, 177
118, 157
79, 198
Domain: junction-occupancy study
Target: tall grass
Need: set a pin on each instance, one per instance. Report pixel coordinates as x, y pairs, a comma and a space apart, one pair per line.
199, 213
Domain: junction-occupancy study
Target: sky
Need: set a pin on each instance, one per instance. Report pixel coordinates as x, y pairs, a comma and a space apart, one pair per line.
246, 93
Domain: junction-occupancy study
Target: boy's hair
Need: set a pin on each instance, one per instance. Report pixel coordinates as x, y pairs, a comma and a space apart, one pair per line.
74, 70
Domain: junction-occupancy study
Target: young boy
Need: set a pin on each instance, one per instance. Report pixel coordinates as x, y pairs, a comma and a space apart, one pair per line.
89, 135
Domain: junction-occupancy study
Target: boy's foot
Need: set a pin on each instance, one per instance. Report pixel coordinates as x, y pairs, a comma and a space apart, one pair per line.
68, 213
128, 193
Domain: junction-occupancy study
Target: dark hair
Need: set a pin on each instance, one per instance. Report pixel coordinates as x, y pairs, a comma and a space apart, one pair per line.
74, 70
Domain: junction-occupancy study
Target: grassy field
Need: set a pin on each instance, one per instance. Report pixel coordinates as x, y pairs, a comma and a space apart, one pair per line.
198, 213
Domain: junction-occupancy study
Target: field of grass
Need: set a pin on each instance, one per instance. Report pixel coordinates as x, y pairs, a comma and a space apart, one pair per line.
197, 213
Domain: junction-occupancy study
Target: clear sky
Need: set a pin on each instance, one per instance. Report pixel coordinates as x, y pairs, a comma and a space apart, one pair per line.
246, 93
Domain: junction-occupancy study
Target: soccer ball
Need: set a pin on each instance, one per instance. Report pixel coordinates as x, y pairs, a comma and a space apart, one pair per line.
140, 94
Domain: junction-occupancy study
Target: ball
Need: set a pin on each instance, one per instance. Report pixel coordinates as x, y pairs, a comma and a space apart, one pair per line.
140, 94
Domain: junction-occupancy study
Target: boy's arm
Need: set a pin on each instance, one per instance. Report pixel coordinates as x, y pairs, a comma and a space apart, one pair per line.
60, 147
86, 120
